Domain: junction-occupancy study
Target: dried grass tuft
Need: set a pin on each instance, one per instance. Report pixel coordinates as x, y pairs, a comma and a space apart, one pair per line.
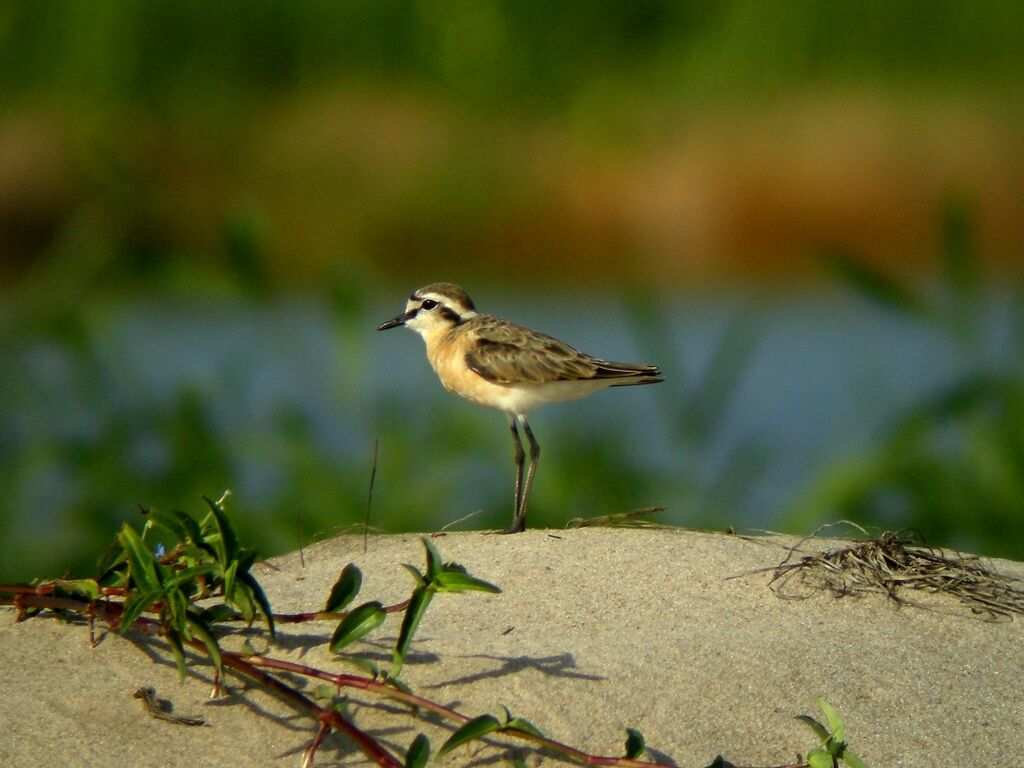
893, 564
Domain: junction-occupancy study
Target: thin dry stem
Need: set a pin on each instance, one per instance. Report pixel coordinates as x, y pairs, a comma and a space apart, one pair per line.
890, 565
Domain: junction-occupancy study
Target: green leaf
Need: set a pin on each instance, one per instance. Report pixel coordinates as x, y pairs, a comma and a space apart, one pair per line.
180, 579
818, 728
420, 581
324, 692
87, 588
134, 607
367, 665
261, 599
635, 745
168, 522
853, 760
181, 525
193, 534
459, 581
520, 724
835, 722
419, 752
226, 544
241, 598
820, 758
141, 562
229, 581
176, 610
339, 703
201, 630
218, 613
434, 564
476, 728
345, 589
246, 559
523, 725
359, 623
421, 597
398, 685
178, 650
109, 562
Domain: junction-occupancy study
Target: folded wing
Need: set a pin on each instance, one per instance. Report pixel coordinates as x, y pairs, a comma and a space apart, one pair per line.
513, 354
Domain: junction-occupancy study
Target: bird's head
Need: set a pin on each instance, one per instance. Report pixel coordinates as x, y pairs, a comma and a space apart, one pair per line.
434, 309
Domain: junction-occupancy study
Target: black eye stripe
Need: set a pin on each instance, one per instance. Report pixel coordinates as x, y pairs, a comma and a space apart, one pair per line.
430, 305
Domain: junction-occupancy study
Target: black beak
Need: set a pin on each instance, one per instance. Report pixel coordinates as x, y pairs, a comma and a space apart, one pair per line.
396, 321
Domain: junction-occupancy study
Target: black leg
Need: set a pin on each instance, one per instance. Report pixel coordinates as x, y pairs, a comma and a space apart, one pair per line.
519, 524
519, 458
523, 489
534, 458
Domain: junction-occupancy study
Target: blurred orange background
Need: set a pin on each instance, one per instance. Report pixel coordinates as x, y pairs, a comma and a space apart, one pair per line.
811, 214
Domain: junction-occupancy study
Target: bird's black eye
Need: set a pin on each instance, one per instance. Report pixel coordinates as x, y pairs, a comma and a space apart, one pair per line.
428, 304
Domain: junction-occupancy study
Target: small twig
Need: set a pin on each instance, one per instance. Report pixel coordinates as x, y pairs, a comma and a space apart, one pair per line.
615, 519
444, 528
152, 706
310, 753
369, 495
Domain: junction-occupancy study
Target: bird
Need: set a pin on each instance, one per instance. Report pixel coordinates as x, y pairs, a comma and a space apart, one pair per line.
500, 364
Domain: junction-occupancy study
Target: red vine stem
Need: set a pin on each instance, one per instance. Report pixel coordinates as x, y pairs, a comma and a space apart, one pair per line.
111, 613
298, 618
252, 666
368, 684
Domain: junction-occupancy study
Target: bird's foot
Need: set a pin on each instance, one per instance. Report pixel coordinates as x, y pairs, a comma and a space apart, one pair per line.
514, 528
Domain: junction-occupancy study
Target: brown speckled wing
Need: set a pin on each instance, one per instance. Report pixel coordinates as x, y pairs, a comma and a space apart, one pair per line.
506, 353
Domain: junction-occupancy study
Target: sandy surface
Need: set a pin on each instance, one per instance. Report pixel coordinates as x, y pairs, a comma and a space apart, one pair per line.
595, 630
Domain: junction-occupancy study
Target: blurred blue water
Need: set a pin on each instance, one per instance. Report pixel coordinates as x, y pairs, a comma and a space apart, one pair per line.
823, 376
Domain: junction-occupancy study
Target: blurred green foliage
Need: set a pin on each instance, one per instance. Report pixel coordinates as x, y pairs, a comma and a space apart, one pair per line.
85, 454
489, 51
390, 133
144, 89
951, 467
